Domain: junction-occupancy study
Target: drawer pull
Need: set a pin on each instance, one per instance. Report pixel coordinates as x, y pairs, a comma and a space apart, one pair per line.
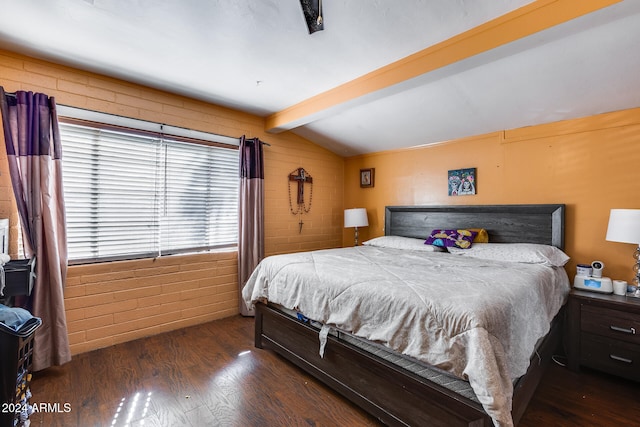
631, 331
620, 359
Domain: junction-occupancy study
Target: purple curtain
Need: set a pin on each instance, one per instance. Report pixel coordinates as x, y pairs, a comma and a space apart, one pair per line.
34, 151
251, 213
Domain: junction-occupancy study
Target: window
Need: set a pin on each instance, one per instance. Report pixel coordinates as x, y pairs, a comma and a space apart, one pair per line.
132, 194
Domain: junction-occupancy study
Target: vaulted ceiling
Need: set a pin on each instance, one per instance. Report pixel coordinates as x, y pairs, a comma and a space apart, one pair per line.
383, 74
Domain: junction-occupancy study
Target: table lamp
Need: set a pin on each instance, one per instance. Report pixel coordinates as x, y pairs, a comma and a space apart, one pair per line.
624, 227
355, 218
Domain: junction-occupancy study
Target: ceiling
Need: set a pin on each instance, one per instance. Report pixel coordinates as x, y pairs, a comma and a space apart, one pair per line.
258, 57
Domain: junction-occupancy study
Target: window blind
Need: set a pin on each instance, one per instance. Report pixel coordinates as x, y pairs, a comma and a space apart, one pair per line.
200, 197
131, 195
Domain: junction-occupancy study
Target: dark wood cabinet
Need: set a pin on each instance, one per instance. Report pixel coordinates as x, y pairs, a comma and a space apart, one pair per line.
604, 333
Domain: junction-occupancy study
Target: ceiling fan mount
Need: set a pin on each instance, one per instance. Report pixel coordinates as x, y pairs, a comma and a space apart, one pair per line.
312, 10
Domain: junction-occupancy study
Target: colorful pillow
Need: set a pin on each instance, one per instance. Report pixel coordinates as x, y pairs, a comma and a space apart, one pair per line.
451, 238
481, 237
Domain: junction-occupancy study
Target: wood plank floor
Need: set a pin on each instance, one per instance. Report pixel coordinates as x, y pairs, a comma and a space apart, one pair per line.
211, 375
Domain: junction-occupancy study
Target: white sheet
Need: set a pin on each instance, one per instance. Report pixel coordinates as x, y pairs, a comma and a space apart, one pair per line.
477, 319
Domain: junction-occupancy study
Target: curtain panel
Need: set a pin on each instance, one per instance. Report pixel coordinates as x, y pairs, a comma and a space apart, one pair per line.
251, 214
34, 152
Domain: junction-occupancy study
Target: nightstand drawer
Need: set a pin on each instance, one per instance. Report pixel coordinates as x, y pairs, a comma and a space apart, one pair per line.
613, 356
615, 324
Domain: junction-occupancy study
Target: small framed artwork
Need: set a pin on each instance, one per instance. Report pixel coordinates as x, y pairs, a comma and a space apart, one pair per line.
462, 182
367, 177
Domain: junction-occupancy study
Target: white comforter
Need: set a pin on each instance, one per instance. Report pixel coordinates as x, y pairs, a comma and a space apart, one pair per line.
478, 319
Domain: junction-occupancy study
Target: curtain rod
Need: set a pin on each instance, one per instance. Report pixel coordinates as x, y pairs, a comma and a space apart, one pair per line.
262, 142
13, 95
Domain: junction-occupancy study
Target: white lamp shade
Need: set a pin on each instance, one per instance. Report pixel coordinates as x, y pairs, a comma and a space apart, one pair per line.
624, 226
355, 217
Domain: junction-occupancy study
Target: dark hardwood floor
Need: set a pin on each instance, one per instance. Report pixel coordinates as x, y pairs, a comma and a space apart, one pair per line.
211, 375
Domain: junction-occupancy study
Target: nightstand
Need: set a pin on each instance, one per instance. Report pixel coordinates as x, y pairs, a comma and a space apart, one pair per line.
603, 333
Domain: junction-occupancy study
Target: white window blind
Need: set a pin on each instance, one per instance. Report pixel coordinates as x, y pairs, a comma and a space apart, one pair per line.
201, 197
131, 195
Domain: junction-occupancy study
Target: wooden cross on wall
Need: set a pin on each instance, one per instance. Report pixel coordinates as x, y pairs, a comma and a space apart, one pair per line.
301, 177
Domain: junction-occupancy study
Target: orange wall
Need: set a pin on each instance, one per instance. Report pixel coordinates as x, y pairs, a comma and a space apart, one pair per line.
115, 302
590, 164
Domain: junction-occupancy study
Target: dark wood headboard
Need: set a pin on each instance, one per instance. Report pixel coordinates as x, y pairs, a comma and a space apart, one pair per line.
505, 223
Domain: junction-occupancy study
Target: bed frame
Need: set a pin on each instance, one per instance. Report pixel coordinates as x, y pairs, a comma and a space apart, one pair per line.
393, 395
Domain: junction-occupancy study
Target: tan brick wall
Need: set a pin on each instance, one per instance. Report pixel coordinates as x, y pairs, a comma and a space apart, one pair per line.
115, 302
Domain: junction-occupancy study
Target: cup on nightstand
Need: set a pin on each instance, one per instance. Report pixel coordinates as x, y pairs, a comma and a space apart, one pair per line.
620, 287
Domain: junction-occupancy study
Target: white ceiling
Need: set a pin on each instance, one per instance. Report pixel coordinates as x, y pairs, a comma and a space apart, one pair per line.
257, 56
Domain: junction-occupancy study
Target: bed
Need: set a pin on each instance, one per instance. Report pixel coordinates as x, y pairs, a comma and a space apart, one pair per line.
303, 313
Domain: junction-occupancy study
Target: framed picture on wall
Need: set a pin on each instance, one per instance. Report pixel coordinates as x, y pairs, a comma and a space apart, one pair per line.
367, 177
462, 182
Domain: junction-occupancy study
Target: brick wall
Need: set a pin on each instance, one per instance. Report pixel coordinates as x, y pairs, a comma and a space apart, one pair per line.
114, 302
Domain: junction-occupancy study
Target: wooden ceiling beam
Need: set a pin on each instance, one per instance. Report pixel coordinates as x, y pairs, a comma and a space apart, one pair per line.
522, 22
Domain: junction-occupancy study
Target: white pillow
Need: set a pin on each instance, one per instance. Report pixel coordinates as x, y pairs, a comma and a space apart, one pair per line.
530, 253
399, 242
